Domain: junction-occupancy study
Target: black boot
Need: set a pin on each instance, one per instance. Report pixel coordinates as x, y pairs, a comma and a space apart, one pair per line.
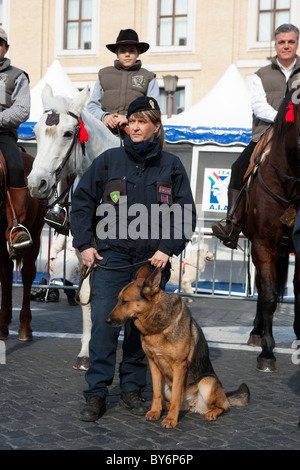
229, 233
94, 408
134, 402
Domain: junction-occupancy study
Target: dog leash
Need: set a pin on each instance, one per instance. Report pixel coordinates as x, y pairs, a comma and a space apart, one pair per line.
90, 271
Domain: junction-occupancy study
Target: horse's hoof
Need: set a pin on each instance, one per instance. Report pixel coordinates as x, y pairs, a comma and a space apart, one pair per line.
82, 363
254, 340
266, 365
3, 334
25, 335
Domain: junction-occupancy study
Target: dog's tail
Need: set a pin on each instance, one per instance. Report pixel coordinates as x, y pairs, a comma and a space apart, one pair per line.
239, 397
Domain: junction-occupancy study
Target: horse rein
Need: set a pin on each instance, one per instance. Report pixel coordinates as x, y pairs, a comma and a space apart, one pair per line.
284, 202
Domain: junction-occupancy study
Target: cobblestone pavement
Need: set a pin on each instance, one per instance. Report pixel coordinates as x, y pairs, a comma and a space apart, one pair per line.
41, 394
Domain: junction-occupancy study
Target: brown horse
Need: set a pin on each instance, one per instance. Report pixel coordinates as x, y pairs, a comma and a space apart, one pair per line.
34, 223
272, 204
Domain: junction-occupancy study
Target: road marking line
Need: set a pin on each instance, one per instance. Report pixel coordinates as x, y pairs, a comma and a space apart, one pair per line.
229, 337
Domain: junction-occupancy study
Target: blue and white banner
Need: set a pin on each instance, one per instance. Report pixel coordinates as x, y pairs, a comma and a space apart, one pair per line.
204, 135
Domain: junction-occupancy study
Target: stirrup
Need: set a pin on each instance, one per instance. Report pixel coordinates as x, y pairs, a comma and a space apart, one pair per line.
58, 220
25, 243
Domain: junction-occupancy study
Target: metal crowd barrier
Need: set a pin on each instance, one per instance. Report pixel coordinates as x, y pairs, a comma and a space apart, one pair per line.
231, 274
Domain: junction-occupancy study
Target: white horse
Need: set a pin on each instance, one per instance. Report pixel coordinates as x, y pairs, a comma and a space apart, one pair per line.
60, 154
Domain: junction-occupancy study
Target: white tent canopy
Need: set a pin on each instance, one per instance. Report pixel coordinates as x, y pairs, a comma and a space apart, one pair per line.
222, 117
60, 84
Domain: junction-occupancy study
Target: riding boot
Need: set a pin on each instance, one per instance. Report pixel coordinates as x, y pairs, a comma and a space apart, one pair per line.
17, 235
229, 233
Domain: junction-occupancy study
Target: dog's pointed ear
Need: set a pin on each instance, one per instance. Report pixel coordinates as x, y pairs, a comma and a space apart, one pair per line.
143, 272
152, 283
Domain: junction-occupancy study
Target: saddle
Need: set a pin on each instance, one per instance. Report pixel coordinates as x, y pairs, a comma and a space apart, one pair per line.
262, 149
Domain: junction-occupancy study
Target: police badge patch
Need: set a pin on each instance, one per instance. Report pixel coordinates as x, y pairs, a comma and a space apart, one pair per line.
115, 196
138, 81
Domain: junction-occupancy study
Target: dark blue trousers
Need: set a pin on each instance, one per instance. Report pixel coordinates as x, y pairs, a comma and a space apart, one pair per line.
104, 338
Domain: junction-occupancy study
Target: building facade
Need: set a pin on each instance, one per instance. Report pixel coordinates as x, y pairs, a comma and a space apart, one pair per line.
196, 40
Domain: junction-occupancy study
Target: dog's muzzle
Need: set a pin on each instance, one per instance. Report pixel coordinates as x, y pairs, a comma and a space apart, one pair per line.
113, 322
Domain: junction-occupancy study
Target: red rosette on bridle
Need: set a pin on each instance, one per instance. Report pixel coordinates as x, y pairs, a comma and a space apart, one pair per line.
290, 115
83, 135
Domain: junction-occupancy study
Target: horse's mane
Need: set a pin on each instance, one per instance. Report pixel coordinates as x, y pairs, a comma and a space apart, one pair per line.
280, 125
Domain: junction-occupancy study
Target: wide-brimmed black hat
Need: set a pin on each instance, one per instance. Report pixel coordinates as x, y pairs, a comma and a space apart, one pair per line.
128, 37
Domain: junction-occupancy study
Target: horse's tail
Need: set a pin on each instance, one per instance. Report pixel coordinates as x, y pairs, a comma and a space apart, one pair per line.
282, 267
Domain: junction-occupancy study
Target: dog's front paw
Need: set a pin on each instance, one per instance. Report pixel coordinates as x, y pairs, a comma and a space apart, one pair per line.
169, 422
212, 415
153, 415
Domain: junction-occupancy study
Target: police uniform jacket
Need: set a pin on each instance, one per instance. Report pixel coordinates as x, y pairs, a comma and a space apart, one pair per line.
116, 184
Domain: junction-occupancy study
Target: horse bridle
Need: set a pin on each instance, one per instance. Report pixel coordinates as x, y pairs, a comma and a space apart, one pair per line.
284, 202
62, 198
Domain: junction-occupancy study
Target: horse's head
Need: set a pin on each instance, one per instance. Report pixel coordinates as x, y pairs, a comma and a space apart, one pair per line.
60, 135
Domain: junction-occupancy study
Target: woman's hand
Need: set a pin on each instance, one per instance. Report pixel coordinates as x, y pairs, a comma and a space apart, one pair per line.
159, 259
88, 256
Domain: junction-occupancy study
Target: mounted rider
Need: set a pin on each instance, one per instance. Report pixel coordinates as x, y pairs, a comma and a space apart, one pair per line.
270, 84
118, 85
14, 110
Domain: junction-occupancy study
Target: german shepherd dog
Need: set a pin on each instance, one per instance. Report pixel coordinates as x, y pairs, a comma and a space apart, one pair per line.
177, 351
